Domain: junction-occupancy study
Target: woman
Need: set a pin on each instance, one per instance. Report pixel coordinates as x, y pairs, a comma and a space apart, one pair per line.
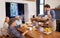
5, 26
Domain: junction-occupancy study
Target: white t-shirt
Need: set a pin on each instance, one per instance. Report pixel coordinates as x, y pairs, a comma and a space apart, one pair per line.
18, 22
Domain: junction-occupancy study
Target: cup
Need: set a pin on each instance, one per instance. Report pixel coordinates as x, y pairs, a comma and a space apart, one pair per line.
30, 28
41, 29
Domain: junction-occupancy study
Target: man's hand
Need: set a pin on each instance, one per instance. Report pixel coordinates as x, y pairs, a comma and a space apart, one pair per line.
47, 23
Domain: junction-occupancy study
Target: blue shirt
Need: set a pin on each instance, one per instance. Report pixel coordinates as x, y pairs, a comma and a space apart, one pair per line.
52, 12
13, 31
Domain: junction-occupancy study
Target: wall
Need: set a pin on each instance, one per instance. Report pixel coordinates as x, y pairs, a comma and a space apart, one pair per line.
29, 11
2, 12
53, 3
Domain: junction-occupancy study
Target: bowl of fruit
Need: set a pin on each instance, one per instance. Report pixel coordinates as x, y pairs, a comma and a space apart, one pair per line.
47, 31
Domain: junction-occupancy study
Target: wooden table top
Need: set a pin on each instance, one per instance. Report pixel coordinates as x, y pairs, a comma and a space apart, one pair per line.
38, 34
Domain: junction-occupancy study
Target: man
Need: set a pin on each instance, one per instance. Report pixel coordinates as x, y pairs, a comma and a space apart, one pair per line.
51, 15
18, 21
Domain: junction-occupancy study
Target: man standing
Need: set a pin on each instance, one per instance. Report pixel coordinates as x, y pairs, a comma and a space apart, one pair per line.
51, 15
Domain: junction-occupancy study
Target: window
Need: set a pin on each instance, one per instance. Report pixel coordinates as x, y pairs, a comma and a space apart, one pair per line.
14, 9
40, 7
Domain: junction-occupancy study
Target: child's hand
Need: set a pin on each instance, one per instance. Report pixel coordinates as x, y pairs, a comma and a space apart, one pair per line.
22, 25
25, 32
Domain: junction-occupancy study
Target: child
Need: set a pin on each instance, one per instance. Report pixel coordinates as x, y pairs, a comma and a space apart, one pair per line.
13, 29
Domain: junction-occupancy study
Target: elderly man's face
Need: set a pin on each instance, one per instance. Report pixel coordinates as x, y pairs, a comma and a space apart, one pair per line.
18, 17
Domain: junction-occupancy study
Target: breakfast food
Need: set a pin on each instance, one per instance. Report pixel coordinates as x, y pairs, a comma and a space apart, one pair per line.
47, 31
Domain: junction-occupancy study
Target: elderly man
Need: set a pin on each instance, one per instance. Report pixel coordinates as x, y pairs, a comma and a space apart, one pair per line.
18, 21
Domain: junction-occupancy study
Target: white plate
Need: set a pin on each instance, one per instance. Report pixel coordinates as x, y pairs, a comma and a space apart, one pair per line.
47, 33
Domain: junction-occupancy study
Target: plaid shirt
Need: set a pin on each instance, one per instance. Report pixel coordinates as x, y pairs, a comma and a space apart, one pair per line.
13, 31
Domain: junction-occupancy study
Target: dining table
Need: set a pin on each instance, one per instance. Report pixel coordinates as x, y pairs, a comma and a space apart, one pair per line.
37, 34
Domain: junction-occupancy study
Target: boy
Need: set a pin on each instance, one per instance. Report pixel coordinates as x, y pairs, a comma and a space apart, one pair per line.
13, 29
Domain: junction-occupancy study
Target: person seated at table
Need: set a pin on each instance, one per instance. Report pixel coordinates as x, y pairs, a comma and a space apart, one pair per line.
34, 23
13, 29
5, 26
19, 20
33, 18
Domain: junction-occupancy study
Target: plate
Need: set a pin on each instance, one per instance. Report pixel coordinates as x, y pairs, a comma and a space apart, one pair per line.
47, 33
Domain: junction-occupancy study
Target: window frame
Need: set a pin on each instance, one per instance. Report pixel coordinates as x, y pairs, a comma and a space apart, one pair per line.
38, 6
